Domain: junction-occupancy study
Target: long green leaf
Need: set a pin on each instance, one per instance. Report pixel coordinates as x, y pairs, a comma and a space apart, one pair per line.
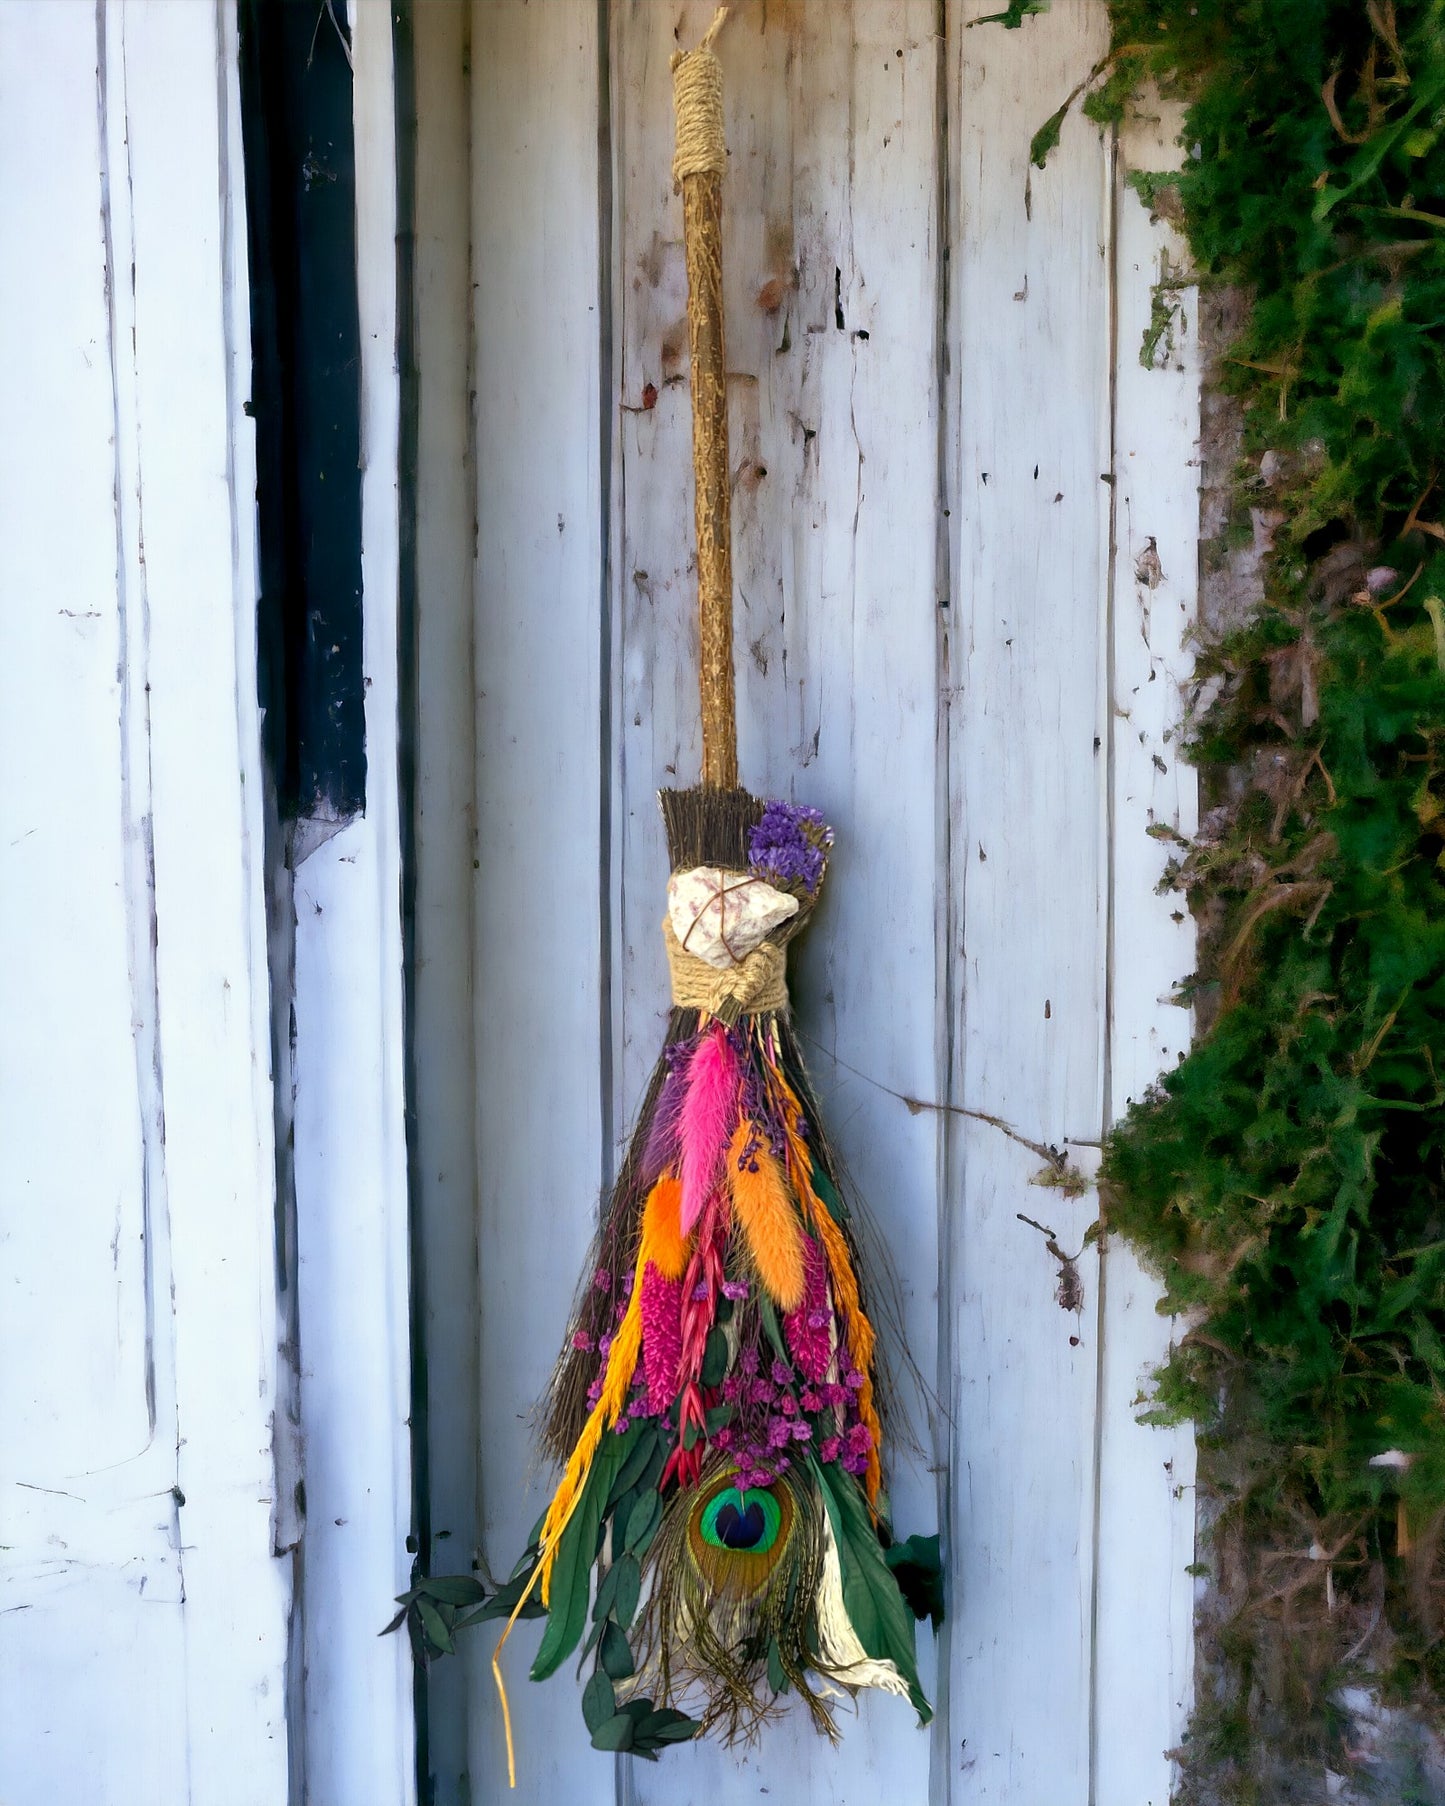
875, 1606
572, 1572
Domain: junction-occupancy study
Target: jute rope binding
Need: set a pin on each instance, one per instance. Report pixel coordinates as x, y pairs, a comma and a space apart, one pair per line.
699, 162
697, 98
757, 986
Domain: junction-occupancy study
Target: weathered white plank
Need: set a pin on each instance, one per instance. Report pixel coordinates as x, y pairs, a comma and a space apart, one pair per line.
350, 1129
444, 1103
1028, 392
541, 885
77, 1094
831, 270
143, 1632
196, 584
1144, 1637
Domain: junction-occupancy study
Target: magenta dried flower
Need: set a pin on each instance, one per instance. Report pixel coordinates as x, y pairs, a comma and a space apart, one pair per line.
807, 1328
661, 1332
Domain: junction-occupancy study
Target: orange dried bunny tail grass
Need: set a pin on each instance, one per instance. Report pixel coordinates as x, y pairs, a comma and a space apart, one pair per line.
666, 1247
767, 1216
663, 1240
862, 1339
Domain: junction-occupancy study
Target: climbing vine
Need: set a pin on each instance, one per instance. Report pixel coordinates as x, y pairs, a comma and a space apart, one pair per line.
1287, 1180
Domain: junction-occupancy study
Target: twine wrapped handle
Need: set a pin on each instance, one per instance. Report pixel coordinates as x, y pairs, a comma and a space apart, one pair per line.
698, 164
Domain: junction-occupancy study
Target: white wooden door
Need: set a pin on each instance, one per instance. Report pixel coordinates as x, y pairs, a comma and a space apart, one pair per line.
205, 1453
964, 523
143, 1603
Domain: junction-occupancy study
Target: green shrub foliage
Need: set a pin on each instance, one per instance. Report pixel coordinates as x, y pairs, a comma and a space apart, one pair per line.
1287, 1180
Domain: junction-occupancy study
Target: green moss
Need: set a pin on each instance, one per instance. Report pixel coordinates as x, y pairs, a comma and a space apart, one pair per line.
1287, 1180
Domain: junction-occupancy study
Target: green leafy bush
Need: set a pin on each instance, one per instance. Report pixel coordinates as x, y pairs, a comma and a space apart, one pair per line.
1287, 1180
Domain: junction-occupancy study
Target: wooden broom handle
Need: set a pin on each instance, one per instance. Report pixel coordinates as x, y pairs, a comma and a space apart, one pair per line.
700, 160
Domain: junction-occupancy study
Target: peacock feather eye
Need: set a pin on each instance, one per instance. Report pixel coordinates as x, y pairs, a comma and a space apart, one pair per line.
738, 1535
742, 1520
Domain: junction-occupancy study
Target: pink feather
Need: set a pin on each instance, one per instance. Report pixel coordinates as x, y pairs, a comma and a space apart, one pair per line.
709, 1114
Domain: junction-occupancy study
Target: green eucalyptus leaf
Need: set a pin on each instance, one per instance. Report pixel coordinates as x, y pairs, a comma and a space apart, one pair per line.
599, 1702
614, 1733
616, 1652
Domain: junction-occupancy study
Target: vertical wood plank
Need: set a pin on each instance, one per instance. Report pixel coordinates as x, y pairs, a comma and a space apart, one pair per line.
197, 583
1029, 400
1146, 1497
144, 1625
445, 1172
830, 254
350, 1130
540, 984
81, 1440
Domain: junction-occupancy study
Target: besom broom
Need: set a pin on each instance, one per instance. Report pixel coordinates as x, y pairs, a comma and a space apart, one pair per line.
716, 1407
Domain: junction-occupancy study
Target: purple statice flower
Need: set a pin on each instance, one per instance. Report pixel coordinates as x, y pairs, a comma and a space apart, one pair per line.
782, 1374
748, 1360
789, 848
860, 1441
621, 1427
802, 1430
736, 1289
761, 1393
594, 1392
604, 1347
853, 1380
582, 1342
732, 1388
788, 1405
830, 1448
779, 1432
627, 1281
602, 1279
759, 1476
723, 1439
784, 1463
812, 1401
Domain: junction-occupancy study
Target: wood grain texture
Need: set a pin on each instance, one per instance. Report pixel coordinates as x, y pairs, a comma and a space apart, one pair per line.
1028, 801
541, 886
922, 414
1146, 1475
143, 1616
445, 1170
350, 1122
